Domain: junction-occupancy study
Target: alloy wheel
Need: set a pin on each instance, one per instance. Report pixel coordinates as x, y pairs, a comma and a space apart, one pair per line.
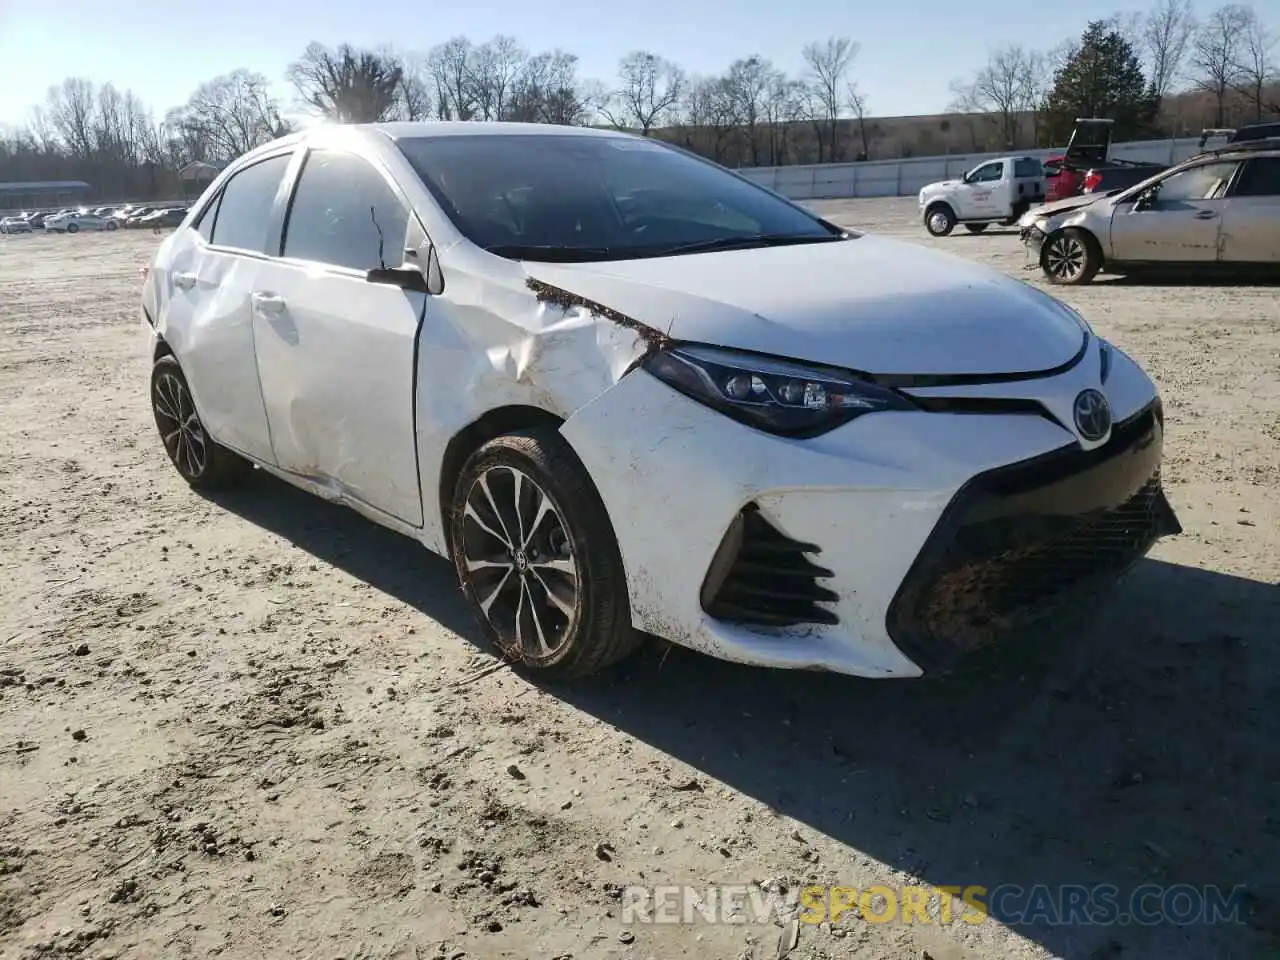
938, 222
180, 429
519, 560
1064, 259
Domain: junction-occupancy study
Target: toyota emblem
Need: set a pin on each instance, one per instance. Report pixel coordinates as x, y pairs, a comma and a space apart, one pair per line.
1093, 415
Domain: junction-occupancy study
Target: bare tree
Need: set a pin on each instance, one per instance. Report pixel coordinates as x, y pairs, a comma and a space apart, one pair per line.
495, 69
71, 108
346, 84
413, 95
547, 90
1007, 87
650, 89
1165, 33
708, 117
450, 68
828, 64
1256, 65
858, 107
747, 85
224, 118
1215, 54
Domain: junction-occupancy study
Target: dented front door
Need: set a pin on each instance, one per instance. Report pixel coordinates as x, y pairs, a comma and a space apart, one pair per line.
1185, 231
336, 357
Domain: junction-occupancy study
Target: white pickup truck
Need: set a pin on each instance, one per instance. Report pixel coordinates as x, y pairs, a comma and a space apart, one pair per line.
995, 191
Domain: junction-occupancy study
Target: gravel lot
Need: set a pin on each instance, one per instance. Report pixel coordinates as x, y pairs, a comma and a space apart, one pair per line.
257, 726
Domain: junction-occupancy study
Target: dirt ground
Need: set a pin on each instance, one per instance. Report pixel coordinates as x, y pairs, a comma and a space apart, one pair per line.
259, 726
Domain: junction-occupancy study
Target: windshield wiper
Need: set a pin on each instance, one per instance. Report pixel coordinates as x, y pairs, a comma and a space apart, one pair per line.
741, 242
550, 253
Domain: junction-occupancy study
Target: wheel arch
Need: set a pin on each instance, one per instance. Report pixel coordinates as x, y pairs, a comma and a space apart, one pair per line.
492, 423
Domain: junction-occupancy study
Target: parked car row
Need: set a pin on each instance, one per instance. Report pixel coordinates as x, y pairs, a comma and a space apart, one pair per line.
75, 219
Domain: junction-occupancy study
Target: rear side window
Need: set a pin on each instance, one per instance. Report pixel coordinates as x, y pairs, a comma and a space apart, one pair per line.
1260, 178
243, 216
1027, 168
344, 213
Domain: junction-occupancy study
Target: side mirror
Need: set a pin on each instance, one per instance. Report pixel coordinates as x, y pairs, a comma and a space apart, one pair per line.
406, 278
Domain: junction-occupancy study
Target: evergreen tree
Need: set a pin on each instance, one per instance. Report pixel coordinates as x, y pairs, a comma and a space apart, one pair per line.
1101, 78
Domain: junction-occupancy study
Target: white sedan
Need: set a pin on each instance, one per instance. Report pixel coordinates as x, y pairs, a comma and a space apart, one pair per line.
75, 222
629, 391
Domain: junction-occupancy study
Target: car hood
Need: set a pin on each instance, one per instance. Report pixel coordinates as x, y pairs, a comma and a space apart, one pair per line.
869, 304
1069, 203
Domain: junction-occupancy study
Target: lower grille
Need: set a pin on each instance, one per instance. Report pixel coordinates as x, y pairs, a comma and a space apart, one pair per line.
761, 577
1020, 542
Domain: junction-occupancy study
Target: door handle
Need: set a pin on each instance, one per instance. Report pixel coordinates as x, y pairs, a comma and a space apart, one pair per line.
1206, 214
184, 281
268, 304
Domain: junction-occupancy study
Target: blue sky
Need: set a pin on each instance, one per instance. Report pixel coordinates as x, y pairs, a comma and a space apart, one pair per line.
909, 51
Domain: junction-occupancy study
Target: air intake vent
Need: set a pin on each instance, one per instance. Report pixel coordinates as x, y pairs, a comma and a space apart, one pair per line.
763, 578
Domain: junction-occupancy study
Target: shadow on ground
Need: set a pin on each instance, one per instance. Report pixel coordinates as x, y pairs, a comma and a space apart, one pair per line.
1188, 277
1142, 750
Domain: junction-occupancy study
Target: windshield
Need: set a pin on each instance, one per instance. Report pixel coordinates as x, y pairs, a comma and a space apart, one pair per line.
567, 197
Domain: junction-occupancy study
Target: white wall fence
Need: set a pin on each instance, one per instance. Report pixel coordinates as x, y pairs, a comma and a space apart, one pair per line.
904, 178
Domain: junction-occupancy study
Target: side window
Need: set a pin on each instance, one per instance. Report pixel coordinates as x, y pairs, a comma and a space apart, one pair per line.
203, 224
1198, 183
1260, 178
1028, 168
345, 214
243, 217
988, 172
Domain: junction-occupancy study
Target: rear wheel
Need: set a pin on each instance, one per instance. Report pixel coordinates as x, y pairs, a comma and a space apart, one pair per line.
1070, 256
73, 228
203, 463
939, 220
975, 227
537, 557
112, 225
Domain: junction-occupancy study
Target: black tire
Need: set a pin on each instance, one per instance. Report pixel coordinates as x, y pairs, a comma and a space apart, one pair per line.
1070, 257
73, 228
112, 225
560, 578
976, 227
939, 219
203, 463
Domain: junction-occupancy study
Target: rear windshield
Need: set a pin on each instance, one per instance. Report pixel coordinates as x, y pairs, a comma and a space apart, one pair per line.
568, 197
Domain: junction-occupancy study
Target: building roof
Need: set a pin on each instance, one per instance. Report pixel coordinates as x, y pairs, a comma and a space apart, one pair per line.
42, 186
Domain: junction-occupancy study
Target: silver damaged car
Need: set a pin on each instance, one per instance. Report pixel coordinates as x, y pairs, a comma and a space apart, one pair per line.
1218, 209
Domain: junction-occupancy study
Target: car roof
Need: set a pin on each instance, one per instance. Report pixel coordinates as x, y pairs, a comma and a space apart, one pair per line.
1244, 148
404, 129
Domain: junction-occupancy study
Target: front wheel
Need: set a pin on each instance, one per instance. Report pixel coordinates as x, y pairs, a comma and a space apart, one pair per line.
975, 227
73, 228
204, 464
537, 557
939, 220
1070, 256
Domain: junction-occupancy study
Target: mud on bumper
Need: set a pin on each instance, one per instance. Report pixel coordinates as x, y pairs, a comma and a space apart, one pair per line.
1018, 541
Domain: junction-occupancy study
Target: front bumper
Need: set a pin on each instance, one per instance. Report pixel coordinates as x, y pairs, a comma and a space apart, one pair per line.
1019, 542
877, 524
1032, 238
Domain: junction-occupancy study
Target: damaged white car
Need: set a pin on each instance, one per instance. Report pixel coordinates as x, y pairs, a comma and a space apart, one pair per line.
629, 392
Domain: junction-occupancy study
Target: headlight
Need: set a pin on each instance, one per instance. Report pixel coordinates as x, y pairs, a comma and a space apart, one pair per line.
1104, 356
777, 396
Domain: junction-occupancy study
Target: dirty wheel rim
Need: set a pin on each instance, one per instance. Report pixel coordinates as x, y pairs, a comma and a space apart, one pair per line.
1065, 258
180, 429
938, 221
519, 563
